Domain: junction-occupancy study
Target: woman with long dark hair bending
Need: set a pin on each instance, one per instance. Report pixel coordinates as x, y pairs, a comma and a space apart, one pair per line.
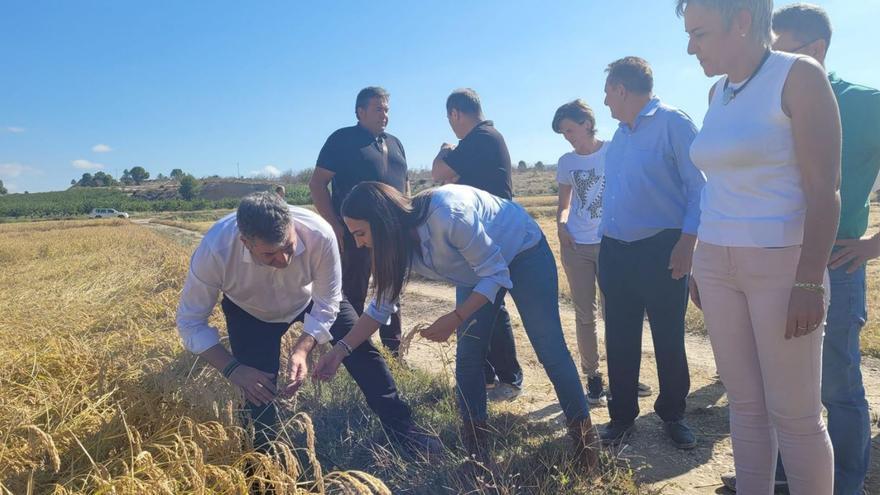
472, 239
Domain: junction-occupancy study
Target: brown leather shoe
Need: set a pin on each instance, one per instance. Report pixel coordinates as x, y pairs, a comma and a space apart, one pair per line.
586, 443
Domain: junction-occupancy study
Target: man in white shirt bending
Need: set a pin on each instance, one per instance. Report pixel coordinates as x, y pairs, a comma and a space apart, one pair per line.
277, 264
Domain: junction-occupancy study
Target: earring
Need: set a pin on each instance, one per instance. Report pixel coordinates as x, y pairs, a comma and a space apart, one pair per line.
743, 35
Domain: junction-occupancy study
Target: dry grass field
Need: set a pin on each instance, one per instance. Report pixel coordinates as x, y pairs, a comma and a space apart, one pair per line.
98, 396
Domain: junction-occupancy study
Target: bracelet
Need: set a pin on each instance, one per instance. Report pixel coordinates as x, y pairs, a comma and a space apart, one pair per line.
460, 319
229, 368
810, 287
347, 348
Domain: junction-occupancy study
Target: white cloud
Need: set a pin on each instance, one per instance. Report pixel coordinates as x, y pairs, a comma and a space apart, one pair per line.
86, 165
17, 170
267, 171
15, 130
101, 148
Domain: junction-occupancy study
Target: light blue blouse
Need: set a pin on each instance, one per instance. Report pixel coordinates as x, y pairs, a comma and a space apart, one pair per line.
468, 239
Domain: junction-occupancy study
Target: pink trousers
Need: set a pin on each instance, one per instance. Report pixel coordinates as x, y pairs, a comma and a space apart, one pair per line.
772, 383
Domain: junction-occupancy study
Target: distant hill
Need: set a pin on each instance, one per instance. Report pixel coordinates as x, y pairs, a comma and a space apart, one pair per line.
214, 193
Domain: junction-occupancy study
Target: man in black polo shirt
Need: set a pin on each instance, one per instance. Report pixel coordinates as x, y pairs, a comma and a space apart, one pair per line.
351, 155
481, 160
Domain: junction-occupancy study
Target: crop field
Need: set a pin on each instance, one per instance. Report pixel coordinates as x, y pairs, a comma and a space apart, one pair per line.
98, 396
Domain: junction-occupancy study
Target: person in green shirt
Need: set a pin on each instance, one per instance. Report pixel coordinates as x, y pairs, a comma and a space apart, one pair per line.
805, 29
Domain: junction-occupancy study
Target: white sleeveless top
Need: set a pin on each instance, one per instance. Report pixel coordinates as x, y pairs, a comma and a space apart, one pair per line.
753, 195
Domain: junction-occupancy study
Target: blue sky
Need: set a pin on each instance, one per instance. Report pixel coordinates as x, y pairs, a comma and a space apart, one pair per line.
204, 85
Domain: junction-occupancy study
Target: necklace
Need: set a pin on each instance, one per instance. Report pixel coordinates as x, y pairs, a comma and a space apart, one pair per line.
730, 93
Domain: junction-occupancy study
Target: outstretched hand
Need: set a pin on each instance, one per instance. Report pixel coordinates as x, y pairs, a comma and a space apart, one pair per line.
328, 365
299, 369
258, 386
442, 329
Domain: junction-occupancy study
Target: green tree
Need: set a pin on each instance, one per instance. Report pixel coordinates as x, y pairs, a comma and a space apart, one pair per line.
139, 174
539, 165
189, 187
101, 179
177, 174
2, 188
522, 166
86, 181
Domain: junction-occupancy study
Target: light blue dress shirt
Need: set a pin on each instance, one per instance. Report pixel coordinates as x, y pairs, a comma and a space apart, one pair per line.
650, 182
468, 239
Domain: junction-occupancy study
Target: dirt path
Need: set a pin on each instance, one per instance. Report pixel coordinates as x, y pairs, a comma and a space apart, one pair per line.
656, 462
180, 235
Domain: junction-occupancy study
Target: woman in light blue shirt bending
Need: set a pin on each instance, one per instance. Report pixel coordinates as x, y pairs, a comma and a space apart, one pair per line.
490, 245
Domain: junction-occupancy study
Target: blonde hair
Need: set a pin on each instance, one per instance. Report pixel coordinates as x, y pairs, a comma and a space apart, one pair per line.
760, 10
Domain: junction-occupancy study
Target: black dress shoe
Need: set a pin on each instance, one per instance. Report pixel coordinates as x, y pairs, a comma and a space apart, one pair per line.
680, 434
616, 432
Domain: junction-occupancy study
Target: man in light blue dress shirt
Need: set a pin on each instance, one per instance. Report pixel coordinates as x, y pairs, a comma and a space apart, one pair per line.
651, 210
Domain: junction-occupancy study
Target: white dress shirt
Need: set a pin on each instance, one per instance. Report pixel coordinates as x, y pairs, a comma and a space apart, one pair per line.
222, 263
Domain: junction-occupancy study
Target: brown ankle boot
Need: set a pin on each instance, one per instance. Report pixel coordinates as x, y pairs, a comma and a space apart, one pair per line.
586, 443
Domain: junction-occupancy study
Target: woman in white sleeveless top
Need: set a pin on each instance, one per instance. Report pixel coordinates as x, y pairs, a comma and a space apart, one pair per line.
770, 148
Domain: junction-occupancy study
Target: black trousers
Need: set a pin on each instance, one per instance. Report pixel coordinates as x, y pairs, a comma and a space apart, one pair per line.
257, 344
501, 361
635, 278
356, 266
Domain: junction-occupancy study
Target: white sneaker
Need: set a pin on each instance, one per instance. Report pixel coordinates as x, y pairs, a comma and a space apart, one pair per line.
503, 392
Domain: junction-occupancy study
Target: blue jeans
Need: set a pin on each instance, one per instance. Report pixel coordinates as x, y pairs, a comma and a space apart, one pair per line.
843, 395
536, 294
501, 361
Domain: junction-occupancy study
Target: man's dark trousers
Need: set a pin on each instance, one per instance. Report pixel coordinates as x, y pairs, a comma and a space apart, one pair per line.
257, 344
635, 278
501, 361
356, 267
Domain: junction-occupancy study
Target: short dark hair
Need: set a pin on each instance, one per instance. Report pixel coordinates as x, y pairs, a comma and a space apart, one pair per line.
634, 73
264, 216
466, 101
576, 111
805, 22
365, 95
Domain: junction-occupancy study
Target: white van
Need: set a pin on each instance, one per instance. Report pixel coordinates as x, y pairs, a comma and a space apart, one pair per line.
107, 213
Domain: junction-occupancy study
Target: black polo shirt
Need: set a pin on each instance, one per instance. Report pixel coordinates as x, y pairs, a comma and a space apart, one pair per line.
481, 160
355, 156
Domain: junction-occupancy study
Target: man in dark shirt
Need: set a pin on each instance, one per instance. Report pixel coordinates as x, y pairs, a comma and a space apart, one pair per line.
481, 160
351, 155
